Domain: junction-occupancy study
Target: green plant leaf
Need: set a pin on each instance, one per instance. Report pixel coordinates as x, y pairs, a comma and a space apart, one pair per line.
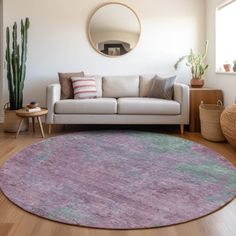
195, 62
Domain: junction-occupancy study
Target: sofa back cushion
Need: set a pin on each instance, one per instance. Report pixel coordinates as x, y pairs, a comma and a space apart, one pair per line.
120, 86
145, 83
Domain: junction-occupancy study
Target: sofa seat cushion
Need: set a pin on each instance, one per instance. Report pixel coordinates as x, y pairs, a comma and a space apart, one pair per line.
148, 106
87, 106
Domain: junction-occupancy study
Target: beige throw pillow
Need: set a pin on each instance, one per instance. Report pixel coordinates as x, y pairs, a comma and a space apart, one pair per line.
162, 87
67, 91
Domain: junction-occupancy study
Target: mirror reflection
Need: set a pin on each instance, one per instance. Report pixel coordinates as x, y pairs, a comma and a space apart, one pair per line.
114, 29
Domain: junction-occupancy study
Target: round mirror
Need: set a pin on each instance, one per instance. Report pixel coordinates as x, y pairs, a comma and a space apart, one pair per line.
114, 29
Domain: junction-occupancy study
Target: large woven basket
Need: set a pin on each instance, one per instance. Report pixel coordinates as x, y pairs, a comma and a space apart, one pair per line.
228, 124
210, 121
12, 121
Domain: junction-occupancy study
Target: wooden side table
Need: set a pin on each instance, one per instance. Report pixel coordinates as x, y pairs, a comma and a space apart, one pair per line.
22, 113
208, 96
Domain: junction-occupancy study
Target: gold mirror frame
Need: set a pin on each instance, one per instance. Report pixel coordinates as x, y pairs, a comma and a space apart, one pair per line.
89, 28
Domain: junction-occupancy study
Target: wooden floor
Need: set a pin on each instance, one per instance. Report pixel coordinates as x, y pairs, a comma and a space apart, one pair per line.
14, 221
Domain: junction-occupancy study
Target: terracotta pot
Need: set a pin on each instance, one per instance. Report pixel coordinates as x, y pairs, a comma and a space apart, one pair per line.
12, 121
227, 67
197, 83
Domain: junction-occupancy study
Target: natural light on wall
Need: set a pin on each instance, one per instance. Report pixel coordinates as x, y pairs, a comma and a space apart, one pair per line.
226, 37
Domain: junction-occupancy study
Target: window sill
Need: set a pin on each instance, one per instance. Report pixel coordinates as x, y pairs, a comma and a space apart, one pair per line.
225, 73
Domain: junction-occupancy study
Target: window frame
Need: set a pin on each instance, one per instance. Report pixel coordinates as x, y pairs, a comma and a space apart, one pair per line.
217, 71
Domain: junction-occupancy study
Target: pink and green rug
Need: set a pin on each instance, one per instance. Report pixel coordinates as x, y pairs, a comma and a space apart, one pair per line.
118, 179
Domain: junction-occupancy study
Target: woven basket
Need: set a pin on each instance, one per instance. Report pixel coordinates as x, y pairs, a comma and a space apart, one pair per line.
210, 121
12, 121
228, 124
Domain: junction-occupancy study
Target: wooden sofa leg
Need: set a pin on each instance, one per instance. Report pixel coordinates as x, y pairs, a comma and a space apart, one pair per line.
50, 129
182, 129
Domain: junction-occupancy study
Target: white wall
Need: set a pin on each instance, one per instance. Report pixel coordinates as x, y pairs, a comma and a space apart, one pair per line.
58, 39
226, 82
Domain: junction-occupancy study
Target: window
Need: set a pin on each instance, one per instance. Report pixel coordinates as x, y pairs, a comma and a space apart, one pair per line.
226, 37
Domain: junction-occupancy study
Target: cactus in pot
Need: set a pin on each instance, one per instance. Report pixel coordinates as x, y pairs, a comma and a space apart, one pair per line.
16, 56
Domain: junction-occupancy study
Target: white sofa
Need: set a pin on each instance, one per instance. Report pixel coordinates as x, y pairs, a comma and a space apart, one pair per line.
120, 100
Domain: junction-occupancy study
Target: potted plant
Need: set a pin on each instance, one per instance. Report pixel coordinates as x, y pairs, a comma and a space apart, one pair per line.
197, 64
16, 56
227, 67
234, 67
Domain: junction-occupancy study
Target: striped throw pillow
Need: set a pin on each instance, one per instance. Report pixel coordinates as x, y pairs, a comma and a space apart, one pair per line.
84, 87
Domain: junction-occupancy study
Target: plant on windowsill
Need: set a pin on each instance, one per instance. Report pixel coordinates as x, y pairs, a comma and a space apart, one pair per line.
197, 64
227, 67
16, 56
234, 67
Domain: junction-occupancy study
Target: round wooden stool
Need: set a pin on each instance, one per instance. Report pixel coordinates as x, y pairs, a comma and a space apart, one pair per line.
22, 113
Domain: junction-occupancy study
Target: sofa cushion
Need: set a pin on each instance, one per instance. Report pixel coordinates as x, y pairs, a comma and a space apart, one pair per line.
148, 106
120, 86
67, 91
145, 84
84, 87
87, 106
162, 87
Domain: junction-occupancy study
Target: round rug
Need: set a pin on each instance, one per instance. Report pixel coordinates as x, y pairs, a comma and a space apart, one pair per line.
118, 179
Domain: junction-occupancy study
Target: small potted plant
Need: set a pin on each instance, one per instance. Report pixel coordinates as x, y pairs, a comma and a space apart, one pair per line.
227, 66
234, 67
16, 56
197, 64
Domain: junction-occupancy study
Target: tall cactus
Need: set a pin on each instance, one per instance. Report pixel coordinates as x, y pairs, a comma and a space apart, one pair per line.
16, 56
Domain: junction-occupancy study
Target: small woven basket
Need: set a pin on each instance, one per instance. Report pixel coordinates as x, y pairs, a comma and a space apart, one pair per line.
210, 121
228, 124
